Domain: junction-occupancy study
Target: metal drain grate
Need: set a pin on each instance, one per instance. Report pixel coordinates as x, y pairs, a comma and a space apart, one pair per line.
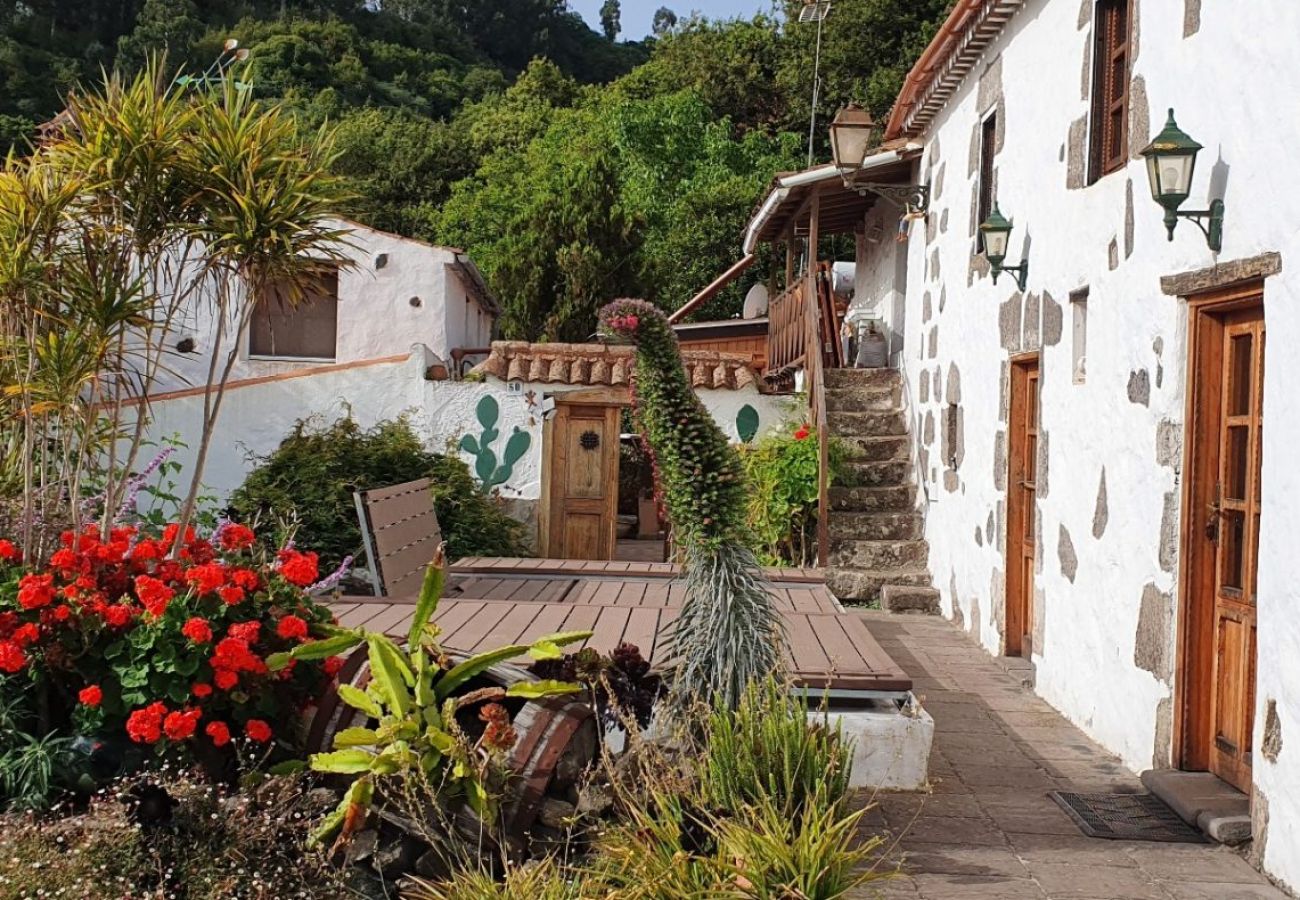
1126, 817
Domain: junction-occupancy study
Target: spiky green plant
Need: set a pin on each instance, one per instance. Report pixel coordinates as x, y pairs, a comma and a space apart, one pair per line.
729, 633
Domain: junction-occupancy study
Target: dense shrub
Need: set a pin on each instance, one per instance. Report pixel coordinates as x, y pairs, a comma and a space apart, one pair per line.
781, 507
311, 476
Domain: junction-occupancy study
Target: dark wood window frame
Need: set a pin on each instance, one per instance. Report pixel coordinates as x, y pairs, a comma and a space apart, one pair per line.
988, 150
279, 329
1111, 59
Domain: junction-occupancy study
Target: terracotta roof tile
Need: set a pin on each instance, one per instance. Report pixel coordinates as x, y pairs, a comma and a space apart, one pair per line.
597, 364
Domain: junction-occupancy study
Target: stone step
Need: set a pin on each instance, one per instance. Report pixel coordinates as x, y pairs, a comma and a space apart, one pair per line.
875, 449
876, 526
910, 598
867, 424
861, 554
866, 473
1203, 800
879, 399
864, 585
893, 498
850, 378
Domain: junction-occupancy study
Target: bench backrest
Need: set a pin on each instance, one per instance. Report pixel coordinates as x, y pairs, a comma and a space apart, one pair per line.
400, 531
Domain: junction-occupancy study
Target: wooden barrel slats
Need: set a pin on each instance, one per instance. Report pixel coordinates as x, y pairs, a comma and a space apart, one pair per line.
545, 729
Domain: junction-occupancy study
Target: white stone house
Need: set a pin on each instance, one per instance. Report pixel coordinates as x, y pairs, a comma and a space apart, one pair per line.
1100, 495
396, 291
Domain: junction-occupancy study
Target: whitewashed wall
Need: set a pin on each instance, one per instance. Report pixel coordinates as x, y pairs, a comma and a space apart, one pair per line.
1105, 614
376, 313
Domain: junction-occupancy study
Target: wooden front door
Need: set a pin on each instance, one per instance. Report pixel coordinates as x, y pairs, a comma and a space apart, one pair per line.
582, 493
1022, 464
1222, 536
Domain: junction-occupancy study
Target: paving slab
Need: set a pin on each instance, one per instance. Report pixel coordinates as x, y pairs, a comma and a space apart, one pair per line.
986, 828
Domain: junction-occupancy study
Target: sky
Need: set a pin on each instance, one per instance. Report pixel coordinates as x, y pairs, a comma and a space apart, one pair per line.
638, 14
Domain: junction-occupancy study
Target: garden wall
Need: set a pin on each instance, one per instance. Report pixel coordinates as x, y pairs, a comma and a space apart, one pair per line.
258, 413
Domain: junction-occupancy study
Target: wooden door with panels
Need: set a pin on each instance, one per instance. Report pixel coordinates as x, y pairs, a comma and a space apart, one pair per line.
1022, 466
580, 459
1221, 534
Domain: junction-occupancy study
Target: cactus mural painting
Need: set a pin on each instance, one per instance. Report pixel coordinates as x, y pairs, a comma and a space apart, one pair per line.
486, 466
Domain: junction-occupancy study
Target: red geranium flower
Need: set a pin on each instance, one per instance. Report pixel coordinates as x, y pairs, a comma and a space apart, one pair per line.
332, 666
237, 537
245, 578
35, 591
292, 628
9, 550
257, 730
219, 732
197, 630
26, 633
180, 725
153, 594
201, 689
144, 726
62, 612
146, 551
298, 568
170, 532
118, 615
206, 578
231, 594
90, 695
12, 657
65, 559
225, 679
801, 433
248, 632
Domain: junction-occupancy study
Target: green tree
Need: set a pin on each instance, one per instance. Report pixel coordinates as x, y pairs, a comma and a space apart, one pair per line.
665, 20
163, 26
610, 19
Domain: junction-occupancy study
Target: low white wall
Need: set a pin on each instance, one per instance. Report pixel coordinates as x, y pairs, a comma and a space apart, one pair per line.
256, 417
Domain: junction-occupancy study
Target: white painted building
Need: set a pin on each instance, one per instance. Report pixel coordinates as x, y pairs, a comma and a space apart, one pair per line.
396, 291
1084, 441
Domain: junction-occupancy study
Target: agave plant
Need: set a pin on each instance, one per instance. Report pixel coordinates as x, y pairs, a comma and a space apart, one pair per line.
412, 700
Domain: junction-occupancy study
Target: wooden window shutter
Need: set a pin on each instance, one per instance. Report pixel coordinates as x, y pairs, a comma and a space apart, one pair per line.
1111, 52
305, 330
988, 147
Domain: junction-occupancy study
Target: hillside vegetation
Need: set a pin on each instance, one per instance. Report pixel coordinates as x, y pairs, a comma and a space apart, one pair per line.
573, 166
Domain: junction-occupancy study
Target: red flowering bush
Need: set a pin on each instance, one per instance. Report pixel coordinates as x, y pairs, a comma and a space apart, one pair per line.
132, 642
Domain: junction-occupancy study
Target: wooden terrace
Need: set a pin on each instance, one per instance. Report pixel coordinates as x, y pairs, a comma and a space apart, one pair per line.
495, 602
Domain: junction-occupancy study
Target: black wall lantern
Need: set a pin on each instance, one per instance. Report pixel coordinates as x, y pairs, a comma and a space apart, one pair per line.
995, 231
1171, 161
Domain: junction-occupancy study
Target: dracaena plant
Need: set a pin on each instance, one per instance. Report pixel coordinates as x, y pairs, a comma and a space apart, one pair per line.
411, 700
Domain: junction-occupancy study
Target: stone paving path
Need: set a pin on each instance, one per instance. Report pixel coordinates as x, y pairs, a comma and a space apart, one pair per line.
988, 830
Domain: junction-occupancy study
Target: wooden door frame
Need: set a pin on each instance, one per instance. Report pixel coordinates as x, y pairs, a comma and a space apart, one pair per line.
1194, 641
610, 396
1021, 363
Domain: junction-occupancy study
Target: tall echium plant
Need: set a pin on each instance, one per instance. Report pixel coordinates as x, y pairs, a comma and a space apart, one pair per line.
729, 633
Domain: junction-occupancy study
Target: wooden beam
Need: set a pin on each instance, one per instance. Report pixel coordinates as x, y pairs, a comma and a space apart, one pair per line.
712, 289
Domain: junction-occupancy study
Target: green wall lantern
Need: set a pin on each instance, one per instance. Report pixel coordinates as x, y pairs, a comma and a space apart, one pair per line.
1171, 161
995, 231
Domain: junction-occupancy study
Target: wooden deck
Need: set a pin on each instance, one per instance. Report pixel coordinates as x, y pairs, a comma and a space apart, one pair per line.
494, 602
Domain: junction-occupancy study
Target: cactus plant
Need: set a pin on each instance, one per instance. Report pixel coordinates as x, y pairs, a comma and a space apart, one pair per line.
491, 473
728, 633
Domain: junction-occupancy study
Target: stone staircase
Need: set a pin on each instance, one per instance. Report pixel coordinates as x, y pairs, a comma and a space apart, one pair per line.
878, 552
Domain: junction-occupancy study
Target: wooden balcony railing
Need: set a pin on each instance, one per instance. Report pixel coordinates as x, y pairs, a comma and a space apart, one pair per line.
804, 336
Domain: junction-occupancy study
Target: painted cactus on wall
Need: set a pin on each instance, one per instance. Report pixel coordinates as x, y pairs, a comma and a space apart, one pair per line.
492, 472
